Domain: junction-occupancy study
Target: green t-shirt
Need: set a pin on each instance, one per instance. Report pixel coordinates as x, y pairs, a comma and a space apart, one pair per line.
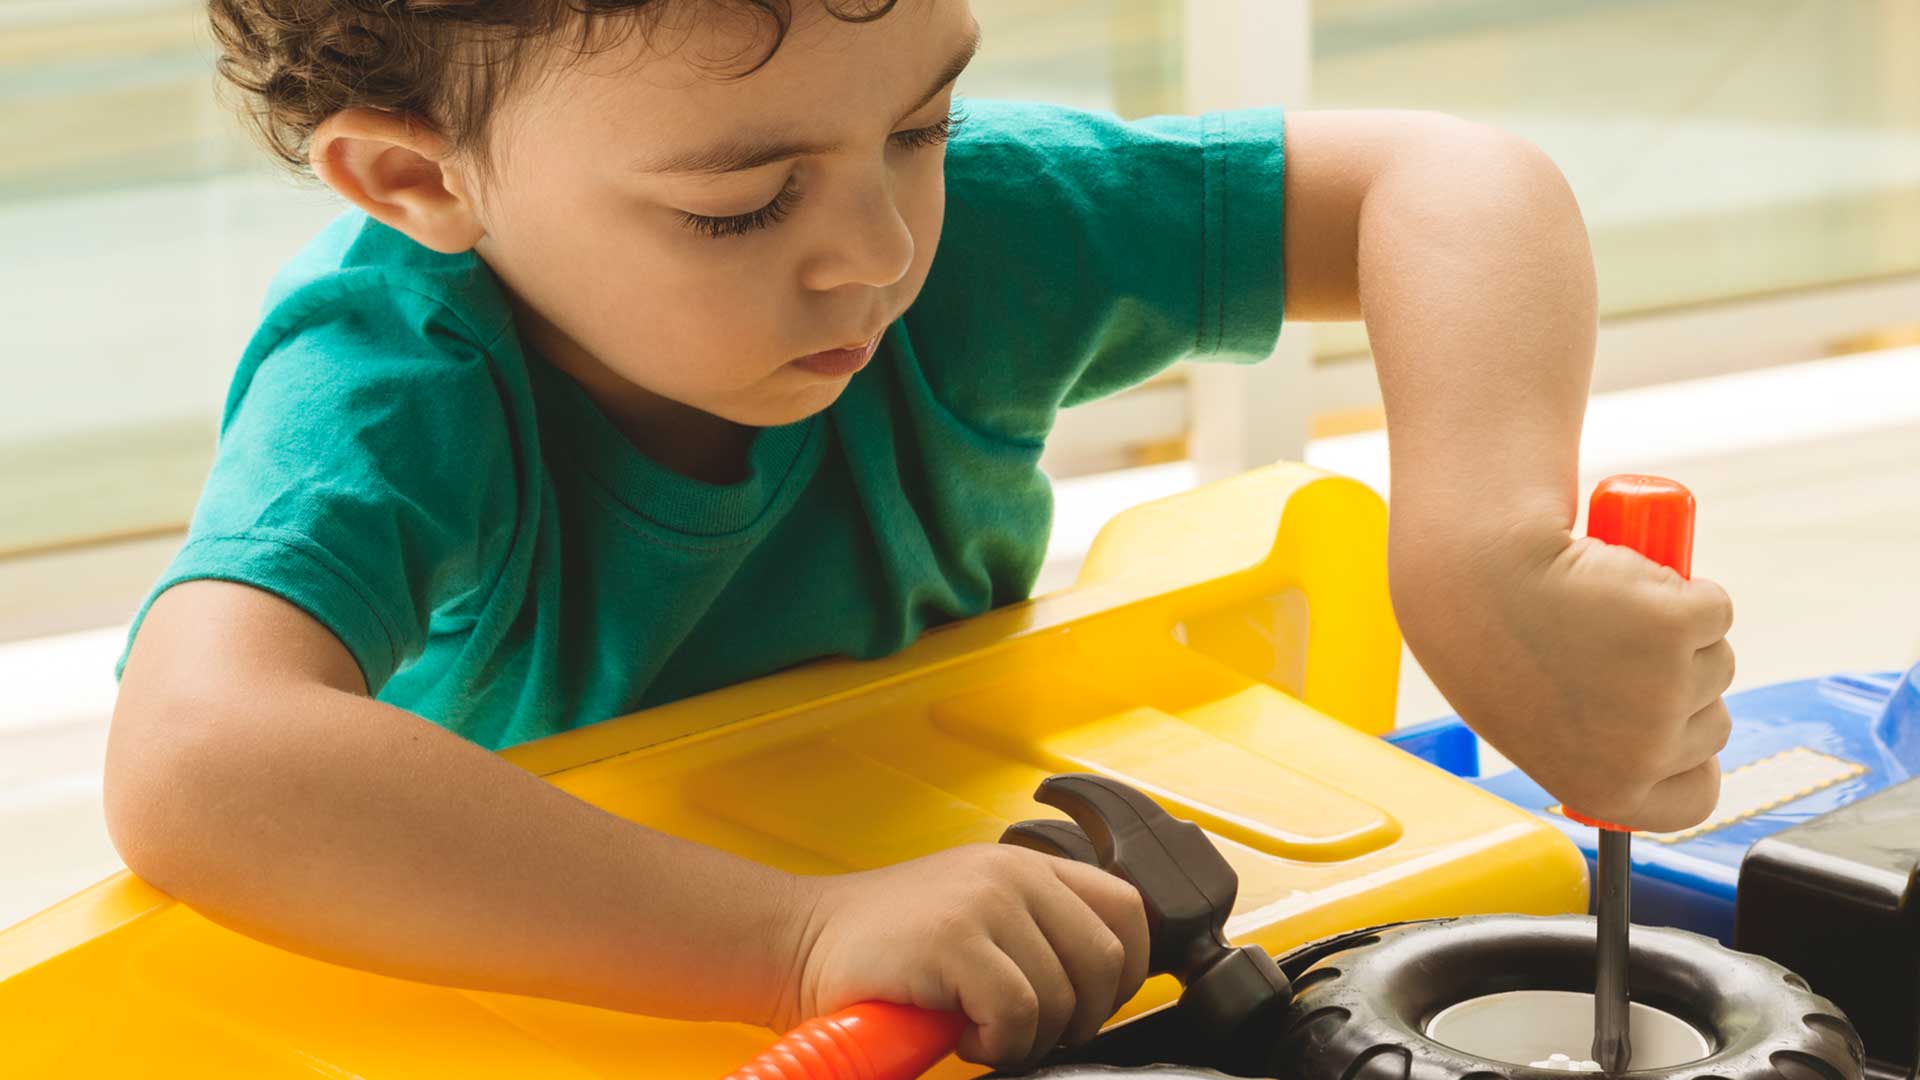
499, 559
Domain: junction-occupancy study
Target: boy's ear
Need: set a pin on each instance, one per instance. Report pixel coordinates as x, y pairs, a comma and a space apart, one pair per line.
401, 172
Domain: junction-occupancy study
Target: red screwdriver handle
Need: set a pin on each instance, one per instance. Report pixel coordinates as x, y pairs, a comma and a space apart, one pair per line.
869, 1041
1653, 516
1650, 514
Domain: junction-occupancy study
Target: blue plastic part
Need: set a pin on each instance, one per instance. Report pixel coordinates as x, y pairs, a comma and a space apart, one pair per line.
1447, 743
1872, 720
1899, 723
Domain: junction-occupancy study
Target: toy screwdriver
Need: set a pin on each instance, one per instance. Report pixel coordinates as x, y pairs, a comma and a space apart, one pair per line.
1653, 516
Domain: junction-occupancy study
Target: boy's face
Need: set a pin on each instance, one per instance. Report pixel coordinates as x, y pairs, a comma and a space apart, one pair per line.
713, 241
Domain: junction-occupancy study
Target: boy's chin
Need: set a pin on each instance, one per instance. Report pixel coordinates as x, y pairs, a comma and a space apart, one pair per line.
790, 408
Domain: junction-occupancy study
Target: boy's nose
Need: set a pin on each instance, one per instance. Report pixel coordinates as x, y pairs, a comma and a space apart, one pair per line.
870, 244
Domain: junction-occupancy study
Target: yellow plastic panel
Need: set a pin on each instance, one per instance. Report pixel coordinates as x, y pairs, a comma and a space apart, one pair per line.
1231, 651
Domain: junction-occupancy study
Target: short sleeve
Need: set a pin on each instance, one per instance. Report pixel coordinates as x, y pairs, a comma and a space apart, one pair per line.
1082, 254
365, 470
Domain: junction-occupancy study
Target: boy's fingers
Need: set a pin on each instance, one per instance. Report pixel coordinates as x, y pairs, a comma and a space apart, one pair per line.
1002, 1005
1092, 955
1708, 611
1030, 950
1705, 735
1681, 802
1118, 906
1713, 670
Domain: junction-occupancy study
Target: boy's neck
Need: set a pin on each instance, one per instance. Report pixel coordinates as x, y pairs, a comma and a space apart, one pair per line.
678, 437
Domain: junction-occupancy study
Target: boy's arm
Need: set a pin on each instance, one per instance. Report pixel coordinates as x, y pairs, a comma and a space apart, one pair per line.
1464, 251
249, 776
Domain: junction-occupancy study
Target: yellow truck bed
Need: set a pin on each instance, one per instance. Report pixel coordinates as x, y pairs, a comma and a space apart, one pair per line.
1230, 651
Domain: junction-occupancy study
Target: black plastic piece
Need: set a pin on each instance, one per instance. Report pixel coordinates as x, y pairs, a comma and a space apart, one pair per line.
1186, 885
1051, 836
1365, 1000
1837, 899
1187, 888
1167, 1036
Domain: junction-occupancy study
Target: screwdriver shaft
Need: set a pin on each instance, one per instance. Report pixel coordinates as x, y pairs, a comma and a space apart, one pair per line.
1612, 1044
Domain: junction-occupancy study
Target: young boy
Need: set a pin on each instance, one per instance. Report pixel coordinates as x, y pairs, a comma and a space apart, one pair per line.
636, 374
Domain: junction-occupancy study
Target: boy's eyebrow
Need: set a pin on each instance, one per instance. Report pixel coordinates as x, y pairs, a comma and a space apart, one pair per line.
752, 153
950, 72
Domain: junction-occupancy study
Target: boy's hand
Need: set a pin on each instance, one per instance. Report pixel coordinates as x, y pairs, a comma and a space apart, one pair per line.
1035, 950
1596, 670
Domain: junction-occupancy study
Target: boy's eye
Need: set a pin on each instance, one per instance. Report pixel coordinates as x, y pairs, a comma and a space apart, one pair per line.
767, 216
776, 211
932, 134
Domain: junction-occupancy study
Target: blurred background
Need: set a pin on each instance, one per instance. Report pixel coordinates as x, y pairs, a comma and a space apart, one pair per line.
1749, 169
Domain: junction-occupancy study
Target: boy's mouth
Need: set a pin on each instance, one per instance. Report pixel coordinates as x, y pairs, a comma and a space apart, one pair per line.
840, 362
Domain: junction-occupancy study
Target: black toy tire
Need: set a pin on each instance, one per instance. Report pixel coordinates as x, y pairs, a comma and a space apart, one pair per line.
1362, 1001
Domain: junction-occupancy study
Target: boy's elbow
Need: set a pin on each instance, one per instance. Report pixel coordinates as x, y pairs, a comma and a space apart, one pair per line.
1473, 142
157, 793
1508, 166
1477, 181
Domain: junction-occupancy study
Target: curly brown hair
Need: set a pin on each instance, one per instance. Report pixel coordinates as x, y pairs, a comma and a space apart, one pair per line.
447, 62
